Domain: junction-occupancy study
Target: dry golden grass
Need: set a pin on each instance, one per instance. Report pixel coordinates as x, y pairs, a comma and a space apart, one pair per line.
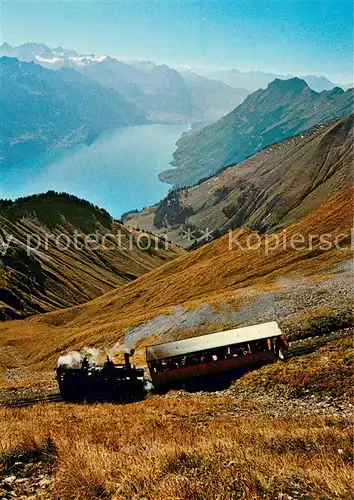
328, 371
182, 448
53, 278
210, 275
197, 447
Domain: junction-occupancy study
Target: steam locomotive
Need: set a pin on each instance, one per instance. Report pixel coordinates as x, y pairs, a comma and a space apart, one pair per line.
85, 381
173, 364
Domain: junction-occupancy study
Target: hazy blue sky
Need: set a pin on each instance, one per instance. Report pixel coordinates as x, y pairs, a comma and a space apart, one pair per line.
283, 36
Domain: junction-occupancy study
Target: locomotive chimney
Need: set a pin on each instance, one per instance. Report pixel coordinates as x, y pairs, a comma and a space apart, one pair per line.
127, 360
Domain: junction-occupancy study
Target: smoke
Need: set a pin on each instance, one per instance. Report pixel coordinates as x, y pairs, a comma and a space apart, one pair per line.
148, 387
165, 325
346, 267
94, 355
179, 323
71, 360
164, 328
74, 359
259, 309
289, 281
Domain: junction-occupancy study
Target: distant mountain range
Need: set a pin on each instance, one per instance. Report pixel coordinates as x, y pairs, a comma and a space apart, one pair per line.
285, 108
59, 57
42, 54
44, 109
51, 277
160, 93
57, 97
254, 80
266, 192
213, 96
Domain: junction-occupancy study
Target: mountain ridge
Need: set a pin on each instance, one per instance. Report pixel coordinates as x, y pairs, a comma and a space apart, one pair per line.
256, 79
267, 191
212, 276
45, 109
57, 250
284, 109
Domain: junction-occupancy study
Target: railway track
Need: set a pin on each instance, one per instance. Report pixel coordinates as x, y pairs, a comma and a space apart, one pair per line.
307, 346
299, 351
299, 348
52, 398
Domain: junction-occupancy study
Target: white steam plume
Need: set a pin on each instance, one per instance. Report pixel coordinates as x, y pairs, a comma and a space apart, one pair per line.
71, 360
180, 320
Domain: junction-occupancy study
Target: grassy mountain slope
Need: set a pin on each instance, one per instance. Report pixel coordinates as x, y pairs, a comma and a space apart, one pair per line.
184, 446
271, 189
214, 276
44, 109
285, 108
47, 264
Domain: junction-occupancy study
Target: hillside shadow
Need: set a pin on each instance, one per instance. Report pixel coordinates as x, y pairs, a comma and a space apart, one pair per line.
209, 384
106, 398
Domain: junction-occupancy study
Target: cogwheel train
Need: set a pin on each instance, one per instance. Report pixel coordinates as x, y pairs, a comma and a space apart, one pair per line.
175, 364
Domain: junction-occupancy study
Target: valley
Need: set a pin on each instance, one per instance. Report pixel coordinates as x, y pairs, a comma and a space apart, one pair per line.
219, 276
57, 250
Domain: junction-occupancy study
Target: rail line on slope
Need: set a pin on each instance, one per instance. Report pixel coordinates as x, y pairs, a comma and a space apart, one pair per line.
52, 398
311, 345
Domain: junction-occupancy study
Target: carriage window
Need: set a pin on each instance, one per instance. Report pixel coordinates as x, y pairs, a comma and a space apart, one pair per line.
238, 350
171, 364
260, 345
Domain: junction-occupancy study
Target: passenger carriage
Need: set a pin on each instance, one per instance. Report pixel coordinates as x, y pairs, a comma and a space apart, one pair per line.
215, 354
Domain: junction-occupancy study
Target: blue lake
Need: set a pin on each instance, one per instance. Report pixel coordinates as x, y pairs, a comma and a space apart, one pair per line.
118, 172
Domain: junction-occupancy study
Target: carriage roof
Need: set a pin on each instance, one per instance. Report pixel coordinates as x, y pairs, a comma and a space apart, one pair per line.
212, 341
